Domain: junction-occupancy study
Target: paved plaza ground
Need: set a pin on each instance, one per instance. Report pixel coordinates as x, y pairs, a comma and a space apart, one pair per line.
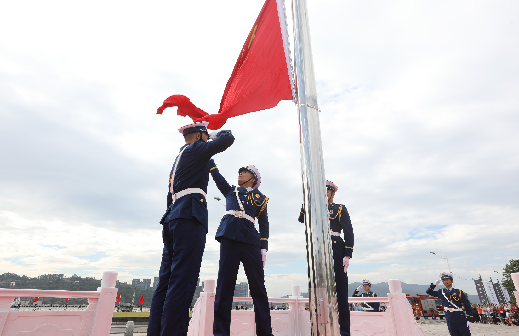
440, 329
430, 328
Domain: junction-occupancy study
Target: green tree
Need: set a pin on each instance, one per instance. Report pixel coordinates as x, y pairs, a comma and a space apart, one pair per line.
511, 267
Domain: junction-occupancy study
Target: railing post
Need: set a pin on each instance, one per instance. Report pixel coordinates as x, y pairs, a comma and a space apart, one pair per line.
296, 310
105, 304
400, 312
5, 308
201, 323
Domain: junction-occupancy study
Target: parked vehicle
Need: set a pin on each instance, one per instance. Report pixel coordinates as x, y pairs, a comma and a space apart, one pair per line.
426, 306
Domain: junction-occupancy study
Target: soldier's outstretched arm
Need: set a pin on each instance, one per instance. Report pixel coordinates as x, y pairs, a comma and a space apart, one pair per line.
431, 290
218, 178
356, 292
223, 141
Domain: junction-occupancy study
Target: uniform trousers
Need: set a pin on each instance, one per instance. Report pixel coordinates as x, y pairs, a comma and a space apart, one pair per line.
341, 285
457, 324
184, 242
231, 253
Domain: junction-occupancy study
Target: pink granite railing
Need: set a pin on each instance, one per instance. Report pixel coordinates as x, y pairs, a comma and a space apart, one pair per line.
397, 320
94, 321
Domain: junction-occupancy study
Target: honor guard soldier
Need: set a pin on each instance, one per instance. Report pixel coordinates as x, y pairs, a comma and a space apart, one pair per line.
184, 230
342, 252
240, 241
368, 306
454, 301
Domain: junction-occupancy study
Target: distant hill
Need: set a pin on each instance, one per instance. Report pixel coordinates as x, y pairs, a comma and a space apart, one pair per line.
412, 289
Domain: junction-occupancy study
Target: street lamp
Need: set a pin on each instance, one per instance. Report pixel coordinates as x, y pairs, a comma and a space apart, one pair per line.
445, 259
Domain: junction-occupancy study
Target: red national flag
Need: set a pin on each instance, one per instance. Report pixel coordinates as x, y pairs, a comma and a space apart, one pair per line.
142, 299
118, 298
35, 299
66, 300
260, 79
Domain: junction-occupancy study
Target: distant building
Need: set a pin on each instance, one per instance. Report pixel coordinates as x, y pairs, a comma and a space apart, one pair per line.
144, 284
155, 282
489, 292
241, 289
480, 288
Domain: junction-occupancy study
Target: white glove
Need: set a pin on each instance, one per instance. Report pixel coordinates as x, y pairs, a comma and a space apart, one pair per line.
358, 288
346, 263
213, 135
469, 325
437, 282
263, 256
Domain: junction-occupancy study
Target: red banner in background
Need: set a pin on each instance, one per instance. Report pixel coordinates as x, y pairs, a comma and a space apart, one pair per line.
142, 299
118, 298
259, 81
35, 299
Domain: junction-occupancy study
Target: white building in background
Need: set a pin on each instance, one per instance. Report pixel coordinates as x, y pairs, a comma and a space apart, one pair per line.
241, 289
491, 294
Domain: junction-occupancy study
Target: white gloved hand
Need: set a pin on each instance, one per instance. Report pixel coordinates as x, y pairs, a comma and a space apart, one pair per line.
469, 325
346, 263
437, 282
263, 256
358, 288
213, 135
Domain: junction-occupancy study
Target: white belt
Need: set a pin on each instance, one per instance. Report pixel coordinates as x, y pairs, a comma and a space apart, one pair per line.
240, 214
453, 309
333, 233
187, 192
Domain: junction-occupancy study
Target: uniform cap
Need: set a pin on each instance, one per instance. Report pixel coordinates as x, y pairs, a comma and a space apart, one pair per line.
330, 185
193, 128
255, 172
446, 275
366, 282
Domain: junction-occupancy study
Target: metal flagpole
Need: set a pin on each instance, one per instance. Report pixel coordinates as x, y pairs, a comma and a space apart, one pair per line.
321, 279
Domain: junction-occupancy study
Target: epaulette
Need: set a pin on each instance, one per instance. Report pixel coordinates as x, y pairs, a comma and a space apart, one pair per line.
257, 198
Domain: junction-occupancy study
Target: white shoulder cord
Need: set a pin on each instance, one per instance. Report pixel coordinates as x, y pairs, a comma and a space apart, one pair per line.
238, 198
175, 170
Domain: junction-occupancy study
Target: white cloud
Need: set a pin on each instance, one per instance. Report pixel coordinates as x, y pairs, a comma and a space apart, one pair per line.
419, 119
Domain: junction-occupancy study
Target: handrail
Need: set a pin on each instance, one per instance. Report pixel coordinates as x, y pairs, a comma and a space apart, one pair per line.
351, 299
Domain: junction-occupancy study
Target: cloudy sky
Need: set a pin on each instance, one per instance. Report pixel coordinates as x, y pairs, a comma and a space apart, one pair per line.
420, 112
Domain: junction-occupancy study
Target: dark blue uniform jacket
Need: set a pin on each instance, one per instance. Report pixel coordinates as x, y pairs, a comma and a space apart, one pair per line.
339, 220
372, 306
455, 298
193, 172
255, 205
